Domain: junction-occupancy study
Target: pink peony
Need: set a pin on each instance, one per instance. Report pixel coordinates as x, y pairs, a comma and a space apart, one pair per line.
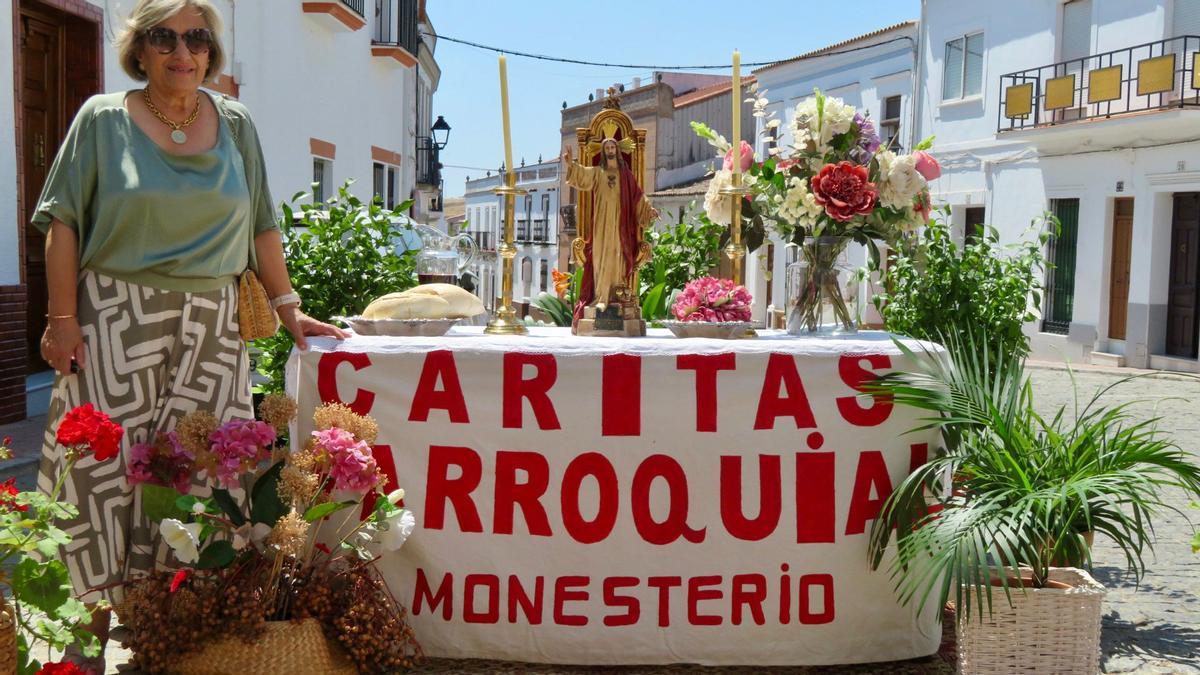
747, 157
926, 165
713, 300
239, 446
845, 190
351, 463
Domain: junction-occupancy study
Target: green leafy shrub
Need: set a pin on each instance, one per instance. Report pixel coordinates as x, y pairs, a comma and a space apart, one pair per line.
935, 287
341, 254
681, 253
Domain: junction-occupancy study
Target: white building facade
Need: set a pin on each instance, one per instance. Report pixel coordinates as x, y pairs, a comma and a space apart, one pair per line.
1088, 109
535, 231
872, 72
339, 90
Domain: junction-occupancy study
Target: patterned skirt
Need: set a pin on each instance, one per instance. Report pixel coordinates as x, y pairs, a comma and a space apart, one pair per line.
153, 356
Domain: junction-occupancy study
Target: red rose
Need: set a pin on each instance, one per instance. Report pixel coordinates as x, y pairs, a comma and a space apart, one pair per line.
86, 427
63, 668
844, 189
8, 493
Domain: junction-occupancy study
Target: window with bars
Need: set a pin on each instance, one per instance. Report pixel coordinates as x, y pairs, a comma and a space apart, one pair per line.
386, 181
1060, 276
322, 174
889, 124
379, 181
962, 69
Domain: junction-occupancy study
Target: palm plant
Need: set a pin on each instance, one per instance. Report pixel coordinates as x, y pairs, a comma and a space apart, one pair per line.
1012, 489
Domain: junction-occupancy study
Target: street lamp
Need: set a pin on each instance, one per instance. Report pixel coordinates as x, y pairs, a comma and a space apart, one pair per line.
441, 133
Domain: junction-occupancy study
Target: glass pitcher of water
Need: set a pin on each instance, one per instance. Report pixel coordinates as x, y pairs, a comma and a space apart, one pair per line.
443, 258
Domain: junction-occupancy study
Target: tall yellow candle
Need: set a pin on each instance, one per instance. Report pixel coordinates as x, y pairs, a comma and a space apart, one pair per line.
508, 163
737, 113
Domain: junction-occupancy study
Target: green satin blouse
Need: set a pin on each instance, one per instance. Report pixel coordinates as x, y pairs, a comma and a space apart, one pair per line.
142, 215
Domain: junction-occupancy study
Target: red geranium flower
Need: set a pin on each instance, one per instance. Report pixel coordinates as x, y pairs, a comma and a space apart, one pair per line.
845, 190
63, 668
8, 493
86, 427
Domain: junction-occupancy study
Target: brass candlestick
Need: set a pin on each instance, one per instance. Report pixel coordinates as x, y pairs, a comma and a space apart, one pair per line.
504, 320
735, 250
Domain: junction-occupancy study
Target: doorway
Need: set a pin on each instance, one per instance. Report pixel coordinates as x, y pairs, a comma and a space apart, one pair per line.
58, 66
1183, 298
1118, 278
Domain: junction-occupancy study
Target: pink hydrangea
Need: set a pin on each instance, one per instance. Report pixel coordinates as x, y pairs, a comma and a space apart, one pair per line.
711, 299
238, 446
351, 463
165, 462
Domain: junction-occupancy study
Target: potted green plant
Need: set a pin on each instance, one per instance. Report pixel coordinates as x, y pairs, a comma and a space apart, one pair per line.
1007, 503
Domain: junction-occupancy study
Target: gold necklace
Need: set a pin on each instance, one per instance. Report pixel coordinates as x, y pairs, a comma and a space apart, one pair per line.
177, 134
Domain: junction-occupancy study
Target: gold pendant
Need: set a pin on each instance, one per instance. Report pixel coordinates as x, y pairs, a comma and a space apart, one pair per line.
179, 137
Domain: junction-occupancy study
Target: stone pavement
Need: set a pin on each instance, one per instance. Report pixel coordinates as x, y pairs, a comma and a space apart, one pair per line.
1149, 627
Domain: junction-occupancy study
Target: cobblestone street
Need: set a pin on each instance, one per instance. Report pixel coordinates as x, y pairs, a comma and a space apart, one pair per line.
1151, 627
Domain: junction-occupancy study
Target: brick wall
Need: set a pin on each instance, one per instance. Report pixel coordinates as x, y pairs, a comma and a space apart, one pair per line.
12, 354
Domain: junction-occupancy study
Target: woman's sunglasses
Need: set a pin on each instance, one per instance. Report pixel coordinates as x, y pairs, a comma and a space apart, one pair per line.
165, 40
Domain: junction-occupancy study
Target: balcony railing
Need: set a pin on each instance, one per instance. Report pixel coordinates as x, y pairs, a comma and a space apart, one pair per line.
429, 168
396, 24
1152, 76
357, 6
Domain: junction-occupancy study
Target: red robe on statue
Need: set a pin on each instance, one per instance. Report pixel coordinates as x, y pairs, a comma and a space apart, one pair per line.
631, 197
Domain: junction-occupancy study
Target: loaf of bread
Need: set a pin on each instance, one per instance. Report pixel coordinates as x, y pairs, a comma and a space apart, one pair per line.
428, 301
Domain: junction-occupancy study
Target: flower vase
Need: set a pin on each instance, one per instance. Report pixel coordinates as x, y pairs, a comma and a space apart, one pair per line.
822, 296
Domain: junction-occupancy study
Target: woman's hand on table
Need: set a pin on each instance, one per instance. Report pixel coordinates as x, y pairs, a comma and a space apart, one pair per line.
61, 342
301, 325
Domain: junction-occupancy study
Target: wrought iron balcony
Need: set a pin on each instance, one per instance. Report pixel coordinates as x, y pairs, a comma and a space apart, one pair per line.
396, 24
1152, 76
429, 168
356, 6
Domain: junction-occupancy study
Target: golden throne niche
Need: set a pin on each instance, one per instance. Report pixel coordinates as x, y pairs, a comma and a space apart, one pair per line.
611, 122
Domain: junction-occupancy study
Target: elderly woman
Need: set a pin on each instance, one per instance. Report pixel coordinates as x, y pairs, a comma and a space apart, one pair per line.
155, 205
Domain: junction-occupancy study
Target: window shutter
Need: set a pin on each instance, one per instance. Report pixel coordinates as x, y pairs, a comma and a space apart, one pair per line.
1076, 41
1186, 20
952, 70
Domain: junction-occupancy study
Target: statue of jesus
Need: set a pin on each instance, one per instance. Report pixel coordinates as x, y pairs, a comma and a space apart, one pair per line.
620, 211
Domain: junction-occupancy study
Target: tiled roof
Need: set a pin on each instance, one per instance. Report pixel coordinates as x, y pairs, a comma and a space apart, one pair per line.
709, 92
839, 45
695, 187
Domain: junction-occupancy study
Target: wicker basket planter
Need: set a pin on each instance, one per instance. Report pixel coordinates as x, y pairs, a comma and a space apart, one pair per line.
1047, 630
8, 638
285, 647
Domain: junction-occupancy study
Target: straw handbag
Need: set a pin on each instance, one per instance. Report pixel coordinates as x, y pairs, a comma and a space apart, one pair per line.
285, 647
1047, 630
256, 319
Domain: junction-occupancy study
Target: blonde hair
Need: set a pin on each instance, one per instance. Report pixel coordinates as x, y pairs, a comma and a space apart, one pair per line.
148, 14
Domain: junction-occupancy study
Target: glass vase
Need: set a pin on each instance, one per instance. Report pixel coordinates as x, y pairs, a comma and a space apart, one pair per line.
822, 291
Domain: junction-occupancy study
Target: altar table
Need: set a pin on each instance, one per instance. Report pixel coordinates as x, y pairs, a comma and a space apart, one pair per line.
636, 500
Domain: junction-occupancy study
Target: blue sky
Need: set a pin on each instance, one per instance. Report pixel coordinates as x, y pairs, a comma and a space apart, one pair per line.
649, 32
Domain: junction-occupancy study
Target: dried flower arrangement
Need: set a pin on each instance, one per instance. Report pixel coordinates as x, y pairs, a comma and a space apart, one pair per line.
255, 548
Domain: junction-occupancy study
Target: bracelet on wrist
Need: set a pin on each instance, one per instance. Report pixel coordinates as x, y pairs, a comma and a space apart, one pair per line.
60, 316
285, 299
